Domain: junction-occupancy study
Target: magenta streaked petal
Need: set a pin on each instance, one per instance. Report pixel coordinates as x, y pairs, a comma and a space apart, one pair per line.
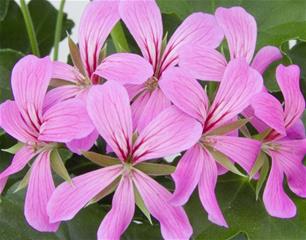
288, 79
187, 174
83, 144
125, 68
203, 63
96, 23
39, 191
143, 19
120, 216
174, 222
207, 187
69, 198
65, 72
264, 57
240, 31
172, 131
185, 92
109, 108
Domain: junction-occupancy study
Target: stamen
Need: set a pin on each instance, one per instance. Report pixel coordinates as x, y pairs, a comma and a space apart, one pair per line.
151, 84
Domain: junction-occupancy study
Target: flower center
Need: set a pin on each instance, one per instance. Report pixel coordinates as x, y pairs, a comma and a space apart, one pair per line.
207, 141
271, 146
127, 167
151, 84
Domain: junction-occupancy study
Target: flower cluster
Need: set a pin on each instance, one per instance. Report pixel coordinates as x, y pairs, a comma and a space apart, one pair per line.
150, 106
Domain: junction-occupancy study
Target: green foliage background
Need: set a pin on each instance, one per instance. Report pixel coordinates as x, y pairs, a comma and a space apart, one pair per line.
278, 22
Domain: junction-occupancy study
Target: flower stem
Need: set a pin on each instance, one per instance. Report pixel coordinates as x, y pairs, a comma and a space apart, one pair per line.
58, 29
30, 28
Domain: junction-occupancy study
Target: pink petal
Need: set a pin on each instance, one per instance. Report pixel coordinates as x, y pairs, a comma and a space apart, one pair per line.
119, 217
66, 121
3, 182
83, 144
172, 131
199, 29
276, 201
207, 187
13, 123
125, 68
138, 106
297, 131
203, 63
240, 31
174, 222
96, 23
264, 57
38, 194
66, 72
69, 198
187, 174
288, 79
30, 80
241, 150
109, 109
143, 19
239, 84
185, 92
20, 160
154, 106
259, 125
268, 109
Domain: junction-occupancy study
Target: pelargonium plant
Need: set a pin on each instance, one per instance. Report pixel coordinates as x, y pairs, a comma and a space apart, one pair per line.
200, 96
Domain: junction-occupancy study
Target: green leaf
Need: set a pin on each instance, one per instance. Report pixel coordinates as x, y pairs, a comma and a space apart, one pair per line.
141, 205
261, 158
14, 148
263, 175
58, 166
4, 4
101, 160
8, 58
155, 169
24, 182
119, 38
229, 127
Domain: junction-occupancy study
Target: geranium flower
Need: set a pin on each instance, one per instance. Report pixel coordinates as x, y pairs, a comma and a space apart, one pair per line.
200, 165
144, 21
39, 126
96, 23
286, 152
170, 132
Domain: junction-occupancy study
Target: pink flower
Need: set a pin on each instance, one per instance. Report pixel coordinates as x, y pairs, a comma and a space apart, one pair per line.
39, 125
170, 132
240, 31
286, 152
198, 166
96, 23
144, 21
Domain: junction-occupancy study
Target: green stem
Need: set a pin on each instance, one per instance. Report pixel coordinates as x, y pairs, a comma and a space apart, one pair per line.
58, 29
30, 28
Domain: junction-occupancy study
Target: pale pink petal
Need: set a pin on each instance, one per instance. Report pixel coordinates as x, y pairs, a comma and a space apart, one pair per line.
203, 63
39, 191
66, 121
138, 106
109, 109
60, 94
207, 187
125, 68
133, 90
276, 201
20, 160
143, 19
13, 123
30, 80
198, 28
185, 93
240, 31
172, 131
288, 79
297, 131
241, 150
268, 109
174, 222
239, 84
65, 72
97, 21
154, 106
69, 198
264, 57
120, 216
83, 144
187, 174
